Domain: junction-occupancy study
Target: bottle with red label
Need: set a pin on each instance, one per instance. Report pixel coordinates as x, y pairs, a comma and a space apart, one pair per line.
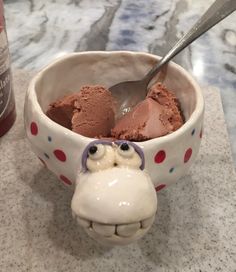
7, 102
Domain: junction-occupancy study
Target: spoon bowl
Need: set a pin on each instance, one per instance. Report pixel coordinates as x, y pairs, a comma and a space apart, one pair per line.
132, 92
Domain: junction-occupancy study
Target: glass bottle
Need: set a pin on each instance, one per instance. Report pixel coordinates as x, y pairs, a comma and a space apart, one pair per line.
7, 101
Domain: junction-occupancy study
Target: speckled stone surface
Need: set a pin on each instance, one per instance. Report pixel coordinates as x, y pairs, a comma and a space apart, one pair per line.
194, 231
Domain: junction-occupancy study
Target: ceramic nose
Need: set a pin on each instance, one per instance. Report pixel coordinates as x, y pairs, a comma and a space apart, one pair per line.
115, 196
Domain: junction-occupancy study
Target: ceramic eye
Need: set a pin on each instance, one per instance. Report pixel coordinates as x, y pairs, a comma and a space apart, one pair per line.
126, 156
100, 157
125, 150
96, 152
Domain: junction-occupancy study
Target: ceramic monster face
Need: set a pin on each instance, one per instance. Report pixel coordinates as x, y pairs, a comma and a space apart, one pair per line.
115, 200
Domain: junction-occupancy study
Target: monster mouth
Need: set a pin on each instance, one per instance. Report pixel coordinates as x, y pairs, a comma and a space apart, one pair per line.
116, 230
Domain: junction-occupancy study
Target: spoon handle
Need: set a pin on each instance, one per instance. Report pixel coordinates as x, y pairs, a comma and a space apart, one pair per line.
216, 12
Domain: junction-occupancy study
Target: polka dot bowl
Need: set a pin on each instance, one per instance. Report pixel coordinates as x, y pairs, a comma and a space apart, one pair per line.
167, 158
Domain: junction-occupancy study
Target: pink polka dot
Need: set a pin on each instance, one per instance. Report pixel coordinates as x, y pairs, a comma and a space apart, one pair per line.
60, 155
187, 155
43, 162
34, 128
159, 187
160, 156
65, 180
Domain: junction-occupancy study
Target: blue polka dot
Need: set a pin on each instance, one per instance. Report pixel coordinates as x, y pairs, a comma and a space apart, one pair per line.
171, 169
49, 138
193, 131
46, 155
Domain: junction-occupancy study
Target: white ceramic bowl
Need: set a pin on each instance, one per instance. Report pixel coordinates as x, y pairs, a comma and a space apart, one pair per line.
166, 158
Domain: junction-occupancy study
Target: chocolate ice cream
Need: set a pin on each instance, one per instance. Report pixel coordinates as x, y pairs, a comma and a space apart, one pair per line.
158, 115
90, 112
61, 111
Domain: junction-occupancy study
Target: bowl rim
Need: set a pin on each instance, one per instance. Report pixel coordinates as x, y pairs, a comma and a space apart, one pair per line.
31, 95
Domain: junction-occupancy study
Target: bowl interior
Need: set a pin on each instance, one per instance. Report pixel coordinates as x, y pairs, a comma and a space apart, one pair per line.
68, 74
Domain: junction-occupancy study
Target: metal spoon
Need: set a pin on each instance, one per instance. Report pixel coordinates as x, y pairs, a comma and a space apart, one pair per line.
129, 93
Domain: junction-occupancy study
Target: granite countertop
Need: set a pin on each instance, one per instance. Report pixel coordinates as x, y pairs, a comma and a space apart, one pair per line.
42, 30
193, 231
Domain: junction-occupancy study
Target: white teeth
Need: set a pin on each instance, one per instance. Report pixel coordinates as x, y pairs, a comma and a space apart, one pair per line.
147, 222
128, 229
83, 222
123, 230
105, 230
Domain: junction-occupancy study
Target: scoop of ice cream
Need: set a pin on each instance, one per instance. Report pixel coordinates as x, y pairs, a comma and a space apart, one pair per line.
93, 113
90, 112
61, 111
167, 98
158, 115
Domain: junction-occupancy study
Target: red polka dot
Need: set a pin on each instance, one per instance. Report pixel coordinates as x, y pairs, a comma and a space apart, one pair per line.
160, 156
159, 187
200, 135
187, 155
43, 162
60, 155
34, 128
65, 180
